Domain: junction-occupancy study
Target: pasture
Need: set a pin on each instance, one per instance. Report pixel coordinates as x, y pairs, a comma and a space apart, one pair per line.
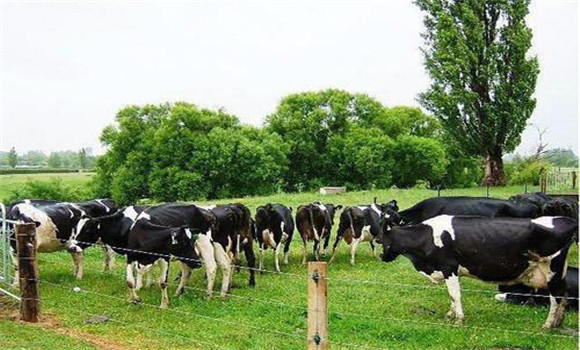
372, 305
10, 183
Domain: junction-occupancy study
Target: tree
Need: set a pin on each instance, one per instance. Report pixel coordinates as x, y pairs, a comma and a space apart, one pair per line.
12, 157
482, 78
308, 121
54, 160
561, 157
83, 160
418, 159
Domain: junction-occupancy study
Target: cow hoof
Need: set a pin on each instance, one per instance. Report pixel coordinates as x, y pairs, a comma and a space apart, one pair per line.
459, 322
179, 292
450, 315
136, 301
163, 306
501, 297
252, 283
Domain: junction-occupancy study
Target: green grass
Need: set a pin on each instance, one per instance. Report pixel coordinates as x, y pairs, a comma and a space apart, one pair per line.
399, 310
10, 183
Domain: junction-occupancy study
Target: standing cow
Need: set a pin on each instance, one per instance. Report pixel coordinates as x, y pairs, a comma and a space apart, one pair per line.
490, 207
314, 222
362, 223
55, 225
495, 250
274, 227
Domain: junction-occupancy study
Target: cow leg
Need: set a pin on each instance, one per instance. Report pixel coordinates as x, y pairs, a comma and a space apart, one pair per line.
108, 257
205, 250
164, 264
16, 282
238, 257
78, 265
286, 251
454, 290
276, 256
335, 246
185, 273
558, 290
303, 251
261, 268
326, 241
353, 247
224, 262
251, 259
316, 250
134, 298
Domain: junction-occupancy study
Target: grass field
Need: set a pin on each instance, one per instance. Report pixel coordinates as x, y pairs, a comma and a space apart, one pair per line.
396, 308
9, 183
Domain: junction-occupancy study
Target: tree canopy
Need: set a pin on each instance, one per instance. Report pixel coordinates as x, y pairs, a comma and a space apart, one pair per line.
483, 79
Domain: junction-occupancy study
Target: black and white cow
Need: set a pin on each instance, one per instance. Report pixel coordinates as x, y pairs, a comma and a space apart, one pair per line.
561, 207
495, 250
234, 221
489, 207
314, 222
536, 198
362, 223
92, 208
151, 244
521, 294
274, 228
211, 245
55, 225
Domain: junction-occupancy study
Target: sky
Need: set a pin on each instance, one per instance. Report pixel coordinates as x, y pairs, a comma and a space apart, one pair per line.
67, 67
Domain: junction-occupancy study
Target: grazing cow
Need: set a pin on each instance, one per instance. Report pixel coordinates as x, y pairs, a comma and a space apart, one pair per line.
495, 250
234, 221
489, 207
151, 244
93, 208
522, 294
314, 222
274, 228
536, 198
212, 246
362, 223
55, 224
561, 207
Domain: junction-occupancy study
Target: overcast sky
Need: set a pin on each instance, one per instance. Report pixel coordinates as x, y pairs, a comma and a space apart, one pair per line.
67, 67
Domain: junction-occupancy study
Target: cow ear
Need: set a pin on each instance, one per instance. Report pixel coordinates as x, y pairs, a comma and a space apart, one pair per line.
37, 223
290, 209
338, 207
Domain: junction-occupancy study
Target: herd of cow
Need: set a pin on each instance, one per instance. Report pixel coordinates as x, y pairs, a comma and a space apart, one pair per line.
521, 243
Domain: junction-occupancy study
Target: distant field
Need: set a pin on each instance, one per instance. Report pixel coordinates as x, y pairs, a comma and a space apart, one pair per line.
372, 305
9, 183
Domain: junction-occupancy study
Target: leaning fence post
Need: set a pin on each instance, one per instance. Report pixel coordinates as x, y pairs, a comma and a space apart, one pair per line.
317, 306
28, 272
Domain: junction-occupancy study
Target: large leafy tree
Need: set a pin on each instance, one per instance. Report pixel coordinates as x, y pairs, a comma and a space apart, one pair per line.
308, 121
482, 76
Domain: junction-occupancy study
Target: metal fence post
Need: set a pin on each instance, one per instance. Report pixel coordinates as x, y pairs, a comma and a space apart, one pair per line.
317, 306
28, 272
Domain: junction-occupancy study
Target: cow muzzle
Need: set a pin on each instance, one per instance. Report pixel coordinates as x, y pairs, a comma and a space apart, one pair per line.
72, 247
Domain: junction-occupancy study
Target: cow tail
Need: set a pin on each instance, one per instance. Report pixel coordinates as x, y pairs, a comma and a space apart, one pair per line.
351, 221
312, 220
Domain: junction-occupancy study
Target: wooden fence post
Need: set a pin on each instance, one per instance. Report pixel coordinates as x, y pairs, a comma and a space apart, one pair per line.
28, 272
317, 306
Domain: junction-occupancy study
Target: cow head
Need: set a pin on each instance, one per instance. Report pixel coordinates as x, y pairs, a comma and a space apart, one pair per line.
331, 209
262, 219
84, 235
385, 237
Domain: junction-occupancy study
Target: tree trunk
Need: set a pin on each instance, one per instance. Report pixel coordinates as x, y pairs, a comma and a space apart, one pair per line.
494, 174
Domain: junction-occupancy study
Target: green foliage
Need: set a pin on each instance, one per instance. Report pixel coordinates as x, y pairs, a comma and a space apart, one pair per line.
560, 157
482, 78
525, 170
54, 189
403, 120
418, 159
360, 159
83, 160
308, 121
12, 157
180, 152
54, 160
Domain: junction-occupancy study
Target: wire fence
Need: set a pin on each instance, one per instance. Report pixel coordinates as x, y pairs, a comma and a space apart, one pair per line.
97, 296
